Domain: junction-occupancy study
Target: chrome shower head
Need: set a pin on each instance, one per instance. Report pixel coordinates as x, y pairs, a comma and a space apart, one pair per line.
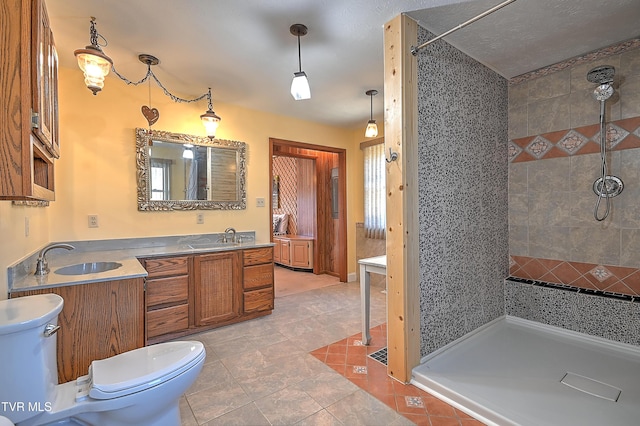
601, 75
603, 92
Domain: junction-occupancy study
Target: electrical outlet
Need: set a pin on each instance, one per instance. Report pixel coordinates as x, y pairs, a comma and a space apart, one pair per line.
199, 218
260, 202
26, 226
93, 221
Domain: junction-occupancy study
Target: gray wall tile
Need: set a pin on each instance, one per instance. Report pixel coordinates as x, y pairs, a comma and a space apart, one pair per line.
549, 115
462, 141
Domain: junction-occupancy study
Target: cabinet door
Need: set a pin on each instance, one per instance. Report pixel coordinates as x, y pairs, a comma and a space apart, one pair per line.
218, 287
285, 254
276, 249
301, 253
98, 320
45, 81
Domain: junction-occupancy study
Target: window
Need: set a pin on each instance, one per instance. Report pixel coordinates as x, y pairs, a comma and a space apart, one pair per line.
160, 170
375, 214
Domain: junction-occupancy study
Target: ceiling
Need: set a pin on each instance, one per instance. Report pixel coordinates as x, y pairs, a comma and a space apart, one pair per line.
244, 51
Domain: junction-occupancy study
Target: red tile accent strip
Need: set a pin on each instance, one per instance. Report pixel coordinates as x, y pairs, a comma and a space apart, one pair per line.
565, 143
615, 279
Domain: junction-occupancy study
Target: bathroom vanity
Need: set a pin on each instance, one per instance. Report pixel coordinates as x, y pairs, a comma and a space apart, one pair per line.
166, 288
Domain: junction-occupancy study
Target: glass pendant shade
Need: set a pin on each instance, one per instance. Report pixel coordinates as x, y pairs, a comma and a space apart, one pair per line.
95, 65
372, 129
300, 86
211, 122
187, 154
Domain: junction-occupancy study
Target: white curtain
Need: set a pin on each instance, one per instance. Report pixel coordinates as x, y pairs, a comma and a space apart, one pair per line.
374, 191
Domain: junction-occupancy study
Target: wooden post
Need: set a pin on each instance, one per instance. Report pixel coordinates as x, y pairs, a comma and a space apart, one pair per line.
401, 135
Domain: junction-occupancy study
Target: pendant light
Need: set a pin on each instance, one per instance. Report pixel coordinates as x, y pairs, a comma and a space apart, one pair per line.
210, 120
93, 62
96, 65
300, 85
372, 127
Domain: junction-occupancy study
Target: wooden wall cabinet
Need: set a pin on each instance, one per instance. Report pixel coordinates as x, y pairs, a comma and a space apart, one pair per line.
98, 320
28, 102
167, 296
257, 282
295, 251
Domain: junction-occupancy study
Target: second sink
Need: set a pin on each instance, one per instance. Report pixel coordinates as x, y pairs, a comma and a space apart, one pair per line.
88, 268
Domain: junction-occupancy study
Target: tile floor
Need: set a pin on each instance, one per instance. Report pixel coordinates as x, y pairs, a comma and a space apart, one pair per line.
268, 371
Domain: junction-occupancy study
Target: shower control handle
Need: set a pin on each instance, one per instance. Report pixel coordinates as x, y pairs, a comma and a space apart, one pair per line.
50, 330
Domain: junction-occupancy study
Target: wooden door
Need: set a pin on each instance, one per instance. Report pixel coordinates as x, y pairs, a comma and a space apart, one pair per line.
285, 252
217, 287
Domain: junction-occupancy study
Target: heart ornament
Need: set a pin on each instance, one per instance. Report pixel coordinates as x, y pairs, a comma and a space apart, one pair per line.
151, 114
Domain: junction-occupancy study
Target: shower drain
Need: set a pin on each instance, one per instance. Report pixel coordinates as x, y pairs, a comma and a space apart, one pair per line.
612, 186
380, 356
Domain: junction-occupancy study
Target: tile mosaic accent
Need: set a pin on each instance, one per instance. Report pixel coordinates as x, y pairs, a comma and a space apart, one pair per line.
595, 313
463, 241
621, 135
609, 278
579, 60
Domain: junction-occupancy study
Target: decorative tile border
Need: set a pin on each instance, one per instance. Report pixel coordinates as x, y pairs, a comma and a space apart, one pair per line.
578, 60
617, 296
589, 276
621, 134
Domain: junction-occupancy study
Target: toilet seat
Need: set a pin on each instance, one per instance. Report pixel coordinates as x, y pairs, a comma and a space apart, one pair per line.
142, 368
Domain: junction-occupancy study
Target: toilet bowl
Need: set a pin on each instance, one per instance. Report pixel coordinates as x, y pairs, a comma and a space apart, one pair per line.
139, 387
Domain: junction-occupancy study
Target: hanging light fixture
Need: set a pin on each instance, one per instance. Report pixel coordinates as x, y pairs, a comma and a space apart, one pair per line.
210, 120
96, 65
300, 85
93, 62
187, 153
372, 127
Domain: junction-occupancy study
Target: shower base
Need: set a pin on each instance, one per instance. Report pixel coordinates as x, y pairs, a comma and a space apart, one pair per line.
518, 372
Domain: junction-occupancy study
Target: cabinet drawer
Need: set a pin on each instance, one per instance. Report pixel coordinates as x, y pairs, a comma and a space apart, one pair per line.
167, 290
258, 300
167, 266
258, 276
167, 320
257, 256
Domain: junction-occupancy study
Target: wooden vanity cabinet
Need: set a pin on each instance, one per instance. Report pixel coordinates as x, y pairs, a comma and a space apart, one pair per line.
167, 296
98, 320
257, 282
28, 102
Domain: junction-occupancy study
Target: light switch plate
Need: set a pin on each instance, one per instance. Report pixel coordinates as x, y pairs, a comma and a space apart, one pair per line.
260, 202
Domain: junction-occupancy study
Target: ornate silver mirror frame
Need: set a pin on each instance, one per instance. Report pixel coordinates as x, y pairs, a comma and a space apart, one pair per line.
234, 199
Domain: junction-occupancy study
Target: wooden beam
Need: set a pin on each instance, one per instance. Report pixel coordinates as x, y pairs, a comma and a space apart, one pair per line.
401, 135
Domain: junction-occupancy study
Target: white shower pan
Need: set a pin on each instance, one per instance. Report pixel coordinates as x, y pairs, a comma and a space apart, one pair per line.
518, 372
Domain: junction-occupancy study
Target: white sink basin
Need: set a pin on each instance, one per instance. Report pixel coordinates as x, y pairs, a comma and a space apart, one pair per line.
88, 268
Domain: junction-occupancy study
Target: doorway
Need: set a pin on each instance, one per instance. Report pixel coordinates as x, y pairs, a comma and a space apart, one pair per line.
321, 213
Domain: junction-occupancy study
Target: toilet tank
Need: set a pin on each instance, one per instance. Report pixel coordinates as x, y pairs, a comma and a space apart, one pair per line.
28, 372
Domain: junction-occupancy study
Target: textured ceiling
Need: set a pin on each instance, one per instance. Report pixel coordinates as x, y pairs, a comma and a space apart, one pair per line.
244, 51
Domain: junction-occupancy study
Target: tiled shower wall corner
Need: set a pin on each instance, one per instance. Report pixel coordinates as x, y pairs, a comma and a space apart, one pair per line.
462, 178
554, 161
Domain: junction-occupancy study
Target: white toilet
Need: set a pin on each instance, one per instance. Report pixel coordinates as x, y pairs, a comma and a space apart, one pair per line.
139, 387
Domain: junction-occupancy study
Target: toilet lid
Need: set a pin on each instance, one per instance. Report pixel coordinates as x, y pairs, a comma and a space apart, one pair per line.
142, 368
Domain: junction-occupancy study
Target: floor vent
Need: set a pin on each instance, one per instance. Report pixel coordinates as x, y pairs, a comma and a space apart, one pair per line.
380, 356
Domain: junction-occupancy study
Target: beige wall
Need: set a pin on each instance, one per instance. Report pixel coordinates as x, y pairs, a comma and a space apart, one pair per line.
96, 171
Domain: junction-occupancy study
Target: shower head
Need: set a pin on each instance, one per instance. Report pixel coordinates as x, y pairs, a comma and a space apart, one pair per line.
603, 77
602, 74
603, 92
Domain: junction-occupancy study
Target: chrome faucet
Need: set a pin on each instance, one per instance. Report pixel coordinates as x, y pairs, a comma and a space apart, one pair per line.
232, 232
42, 268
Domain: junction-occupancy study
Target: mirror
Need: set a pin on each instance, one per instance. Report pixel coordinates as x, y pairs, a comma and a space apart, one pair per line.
184, 172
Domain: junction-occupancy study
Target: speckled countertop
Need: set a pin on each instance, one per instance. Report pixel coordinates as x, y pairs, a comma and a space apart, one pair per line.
125, 251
